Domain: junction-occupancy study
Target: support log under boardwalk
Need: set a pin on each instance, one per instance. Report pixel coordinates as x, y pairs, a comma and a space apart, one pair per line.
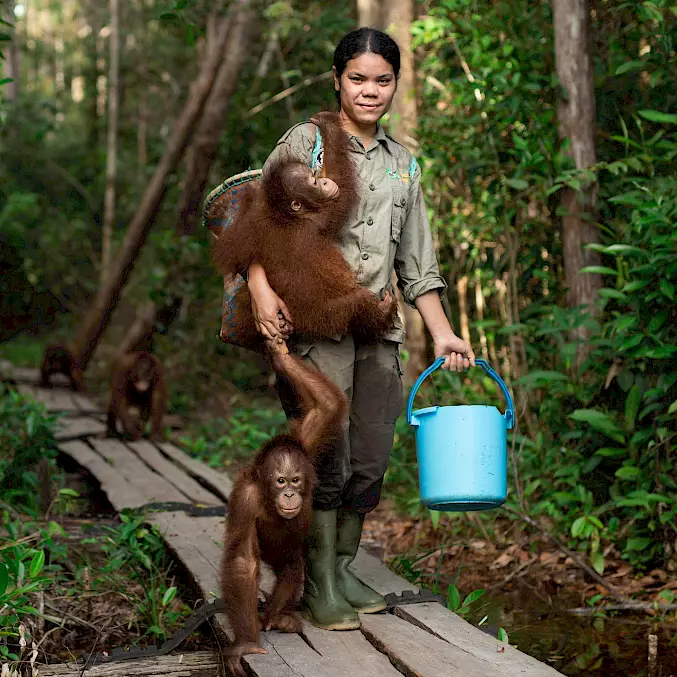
197, 664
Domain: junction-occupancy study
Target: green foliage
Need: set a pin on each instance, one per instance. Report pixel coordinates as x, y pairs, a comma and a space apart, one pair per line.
26, 437
139, 551
219, 442
22, 575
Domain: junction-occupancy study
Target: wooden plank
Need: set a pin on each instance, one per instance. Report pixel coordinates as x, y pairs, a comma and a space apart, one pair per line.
30, 375
417, 653
85, 404
351, 651
193, 664
81, 426
138, 474
55, 399
119, 491
198, 550
372, 572
217, 482
174, 475
447, 625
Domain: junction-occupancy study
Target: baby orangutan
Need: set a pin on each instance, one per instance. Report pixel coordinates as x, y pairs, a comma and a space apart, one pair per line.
270, 511
290, 222
138, 381
60, 360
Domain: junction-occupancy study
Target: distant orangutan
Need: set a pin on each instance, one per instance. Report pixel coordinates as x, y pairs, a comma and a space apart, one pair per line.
138, 381
290, 222
60, 360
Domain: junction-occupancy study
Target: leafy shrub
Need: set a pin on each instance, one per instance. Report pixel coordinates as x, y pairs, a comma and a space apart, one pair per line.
26, 437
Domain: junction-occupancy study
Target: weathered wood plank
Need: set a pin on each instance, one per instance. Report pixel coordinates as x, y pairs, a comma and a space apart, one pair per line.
453, 629
193, 664
417, 653
193, 546
119, 491
85, 404
351, 651
29, 375
193, 491
81, 426
54, 399
372, 572
138, 474
219, 483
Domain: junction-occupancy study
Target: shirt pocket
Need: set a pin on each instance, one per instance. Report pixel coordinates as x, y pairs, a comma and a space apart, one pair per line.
398, 212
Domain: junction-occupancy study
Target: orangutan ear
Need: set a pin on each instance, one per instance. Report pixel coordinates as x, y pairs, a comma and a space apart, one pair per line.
295, 205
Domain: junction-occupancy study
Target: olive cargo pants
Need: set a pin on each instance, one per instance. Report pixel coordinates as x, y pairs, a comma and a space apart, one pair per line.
351, 472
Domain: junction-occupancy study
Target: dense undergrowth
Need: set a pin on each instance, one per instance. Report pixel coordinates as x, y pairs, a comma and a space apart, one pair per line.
70, 584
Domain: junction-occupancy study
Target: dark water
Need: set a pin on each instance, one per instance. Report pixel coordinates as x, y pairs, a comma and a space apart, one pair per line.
611, 646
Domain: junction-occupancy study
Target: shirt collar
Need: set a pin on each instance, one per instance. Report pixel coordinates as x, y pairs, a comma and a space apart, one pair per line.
380, 136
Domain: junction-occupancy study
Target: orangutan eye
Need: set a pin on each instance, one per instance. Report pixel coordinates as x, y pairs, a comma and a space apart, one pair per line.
280, 481
296, 480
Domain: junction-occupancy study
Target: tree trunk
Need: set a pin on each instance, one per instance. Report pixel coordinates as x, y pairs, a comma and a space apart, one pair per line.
109, 199
370, 13
99, 315
239, 24
396, 16
91, 73
11, 89
576, 113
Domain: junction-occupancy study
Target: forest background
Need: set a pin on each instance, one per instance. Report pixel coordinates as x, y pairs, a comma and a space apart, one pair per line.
547, 136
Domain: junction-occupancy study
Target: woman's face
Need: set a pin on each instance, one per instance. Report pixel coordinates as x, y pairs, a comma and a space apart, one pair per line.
367, 87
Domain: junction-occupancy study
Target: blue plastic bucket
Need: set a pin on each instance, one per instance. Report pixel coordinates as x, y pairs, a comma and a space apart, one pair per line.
462, 451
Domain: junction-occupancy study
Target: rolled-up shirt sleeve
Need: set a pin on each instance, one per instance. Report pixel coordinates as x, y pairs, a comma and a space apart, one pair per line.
415, 259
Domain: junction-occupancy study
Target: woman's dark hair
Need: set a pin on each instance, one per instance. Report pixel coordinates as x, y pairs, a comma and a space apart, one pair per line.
362, 41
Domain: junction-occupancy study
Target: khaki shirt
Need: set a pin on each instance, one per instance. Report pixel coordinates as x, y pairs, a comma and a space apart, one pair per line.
389, 230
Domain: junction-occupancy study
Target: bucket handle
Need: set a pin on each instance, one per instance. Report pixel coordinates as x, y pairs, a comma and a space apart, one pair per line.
509, 412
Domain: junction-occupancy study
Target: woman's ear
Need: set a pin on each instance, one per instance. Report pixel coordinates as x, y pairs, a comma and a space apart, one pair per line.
295, 205
337, 80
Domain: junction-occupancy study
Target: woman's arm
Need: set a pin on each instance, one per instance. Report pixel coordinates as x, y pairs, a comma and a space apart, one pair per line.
272, 317
459, 355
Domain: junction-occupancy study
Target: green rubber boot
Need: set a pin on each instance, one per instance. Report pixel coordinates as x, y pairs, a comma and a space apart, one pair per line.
324, 605
361, 598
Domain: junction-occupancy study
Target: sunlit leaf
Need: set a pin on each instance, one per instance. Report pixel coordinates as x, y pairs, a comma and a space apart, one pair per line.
597, 561
658, 116
600, 421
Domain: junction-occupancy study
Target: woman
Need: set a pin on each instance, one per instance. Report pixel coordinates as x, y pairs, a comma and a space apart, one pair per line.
389, 232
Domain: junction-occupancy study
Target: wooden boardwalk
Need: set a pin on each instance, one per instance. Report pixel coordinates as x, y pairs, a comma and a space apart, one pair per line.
417, 640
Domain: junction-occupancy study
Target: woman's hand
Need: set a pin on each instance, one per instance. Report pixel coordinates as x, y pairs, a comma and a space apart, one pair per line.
271, 315
459, 355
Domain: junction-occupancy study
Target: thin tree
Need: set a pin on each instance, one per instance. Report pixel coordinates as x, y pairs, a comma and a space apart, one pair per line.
10, 89
112, 139
396, 16
239, 24
102, 308
576, 114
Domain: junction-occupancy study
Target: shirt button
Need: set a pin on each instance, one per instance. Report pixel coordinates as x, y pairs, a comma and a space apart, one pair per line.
370, 221
372, 186
403, 201
365, 256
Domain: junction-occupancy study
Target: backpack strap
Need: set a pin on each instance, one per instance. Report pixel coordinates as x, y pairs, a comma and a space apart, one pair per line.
318, 156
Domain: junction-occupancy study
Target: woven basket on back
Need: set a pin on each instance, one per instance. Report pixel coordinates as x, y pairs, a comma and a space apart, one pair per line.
220, 207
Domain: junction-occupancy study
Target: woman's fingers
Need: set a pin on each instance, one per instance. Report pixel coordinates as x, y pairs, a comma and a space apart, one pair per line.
285, 312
